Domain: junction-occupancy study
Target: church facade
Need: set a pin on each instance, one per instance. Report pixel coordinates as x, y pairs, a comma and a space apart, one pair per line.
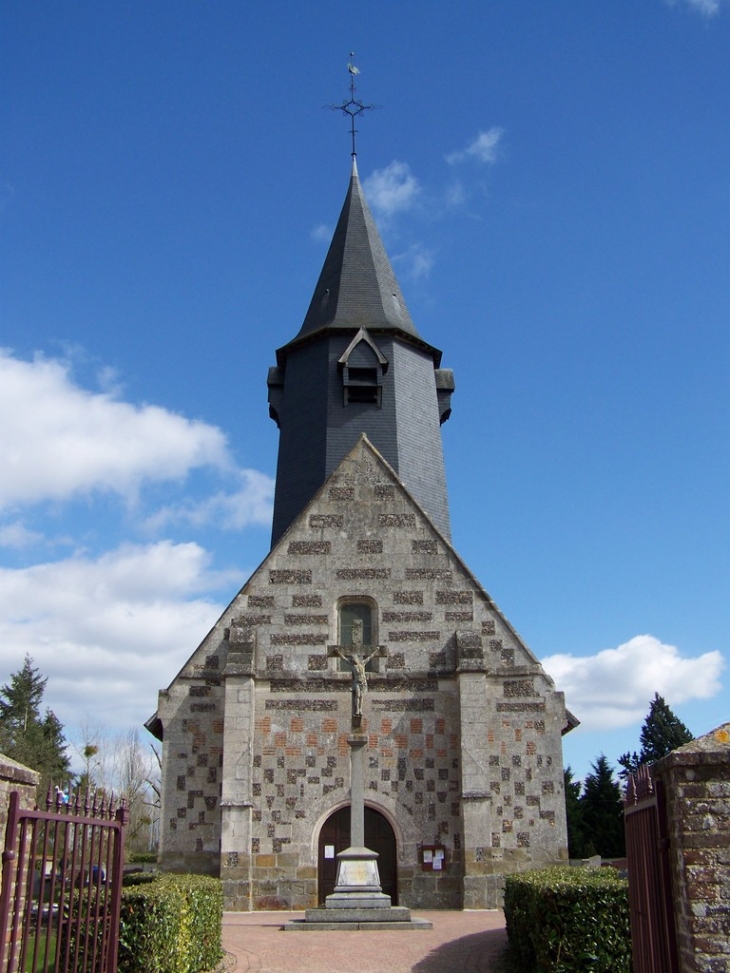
462, 727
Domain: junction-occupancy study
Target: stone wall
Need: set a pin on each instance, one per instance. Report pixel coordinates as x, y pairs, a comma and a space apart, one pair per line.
16, 777
697, 785
463, 724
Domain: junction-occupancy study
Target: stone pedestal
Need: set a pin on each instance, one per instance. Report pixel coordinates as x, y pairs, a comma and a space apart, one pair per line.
358, 882
358, 901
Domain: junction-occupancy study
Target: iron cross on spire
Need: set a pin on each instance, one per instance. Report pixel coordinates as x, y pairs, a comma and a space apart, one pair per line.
353, 107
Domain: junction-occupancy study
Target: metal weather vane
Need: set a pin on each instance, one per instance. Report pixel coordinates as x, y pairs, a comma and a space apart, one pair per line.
352, 107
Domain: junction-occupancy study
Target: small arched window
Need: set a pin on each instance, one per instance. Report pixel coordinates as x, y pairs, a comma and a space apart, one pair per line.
357, 625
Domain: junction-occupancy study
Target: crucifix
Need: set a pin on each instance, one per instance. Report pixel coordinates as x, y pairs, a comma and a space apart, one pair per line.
358, 655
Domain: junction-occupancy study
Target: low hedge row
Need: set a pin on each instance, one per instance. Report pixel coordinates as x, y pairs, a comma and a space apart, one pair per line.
568, 920
142, 858
170, 924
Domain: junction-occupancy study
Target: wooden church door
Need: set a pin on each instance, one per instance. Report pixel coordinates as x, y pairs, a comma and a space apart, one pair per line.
335, 837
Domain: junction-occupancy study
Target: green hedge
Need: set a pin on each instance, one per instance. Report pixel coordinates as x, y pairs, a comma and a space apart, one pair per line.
568, 920
171, 924
139, 878
142, 858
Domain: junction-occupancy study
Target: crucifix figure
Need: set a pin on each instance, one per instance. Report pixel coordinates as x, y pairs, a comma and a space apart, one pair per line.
355, 655
359, 678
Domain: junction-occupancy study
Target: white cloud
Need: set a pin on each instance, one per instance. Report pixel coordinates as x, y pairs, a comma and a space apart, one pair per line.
417, 261
613, 688
482, 149
58, 440
18, 536
708, 8
109, 632
322, 233
392, 189
251, 504
455, 195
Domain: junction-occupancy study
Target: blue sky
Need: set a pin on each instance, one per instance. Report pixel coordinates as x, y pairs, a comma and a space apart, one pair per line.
552, 183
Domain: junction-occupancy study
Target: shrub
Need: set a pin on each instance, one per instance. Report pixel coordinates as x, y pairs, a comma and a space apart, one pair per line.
171, 924
568, 920
139, 878
204, 898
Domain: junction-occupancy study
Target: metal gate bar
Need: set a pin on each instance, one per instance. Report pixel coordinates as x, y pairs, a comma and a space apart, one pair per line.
62, 885
653, 937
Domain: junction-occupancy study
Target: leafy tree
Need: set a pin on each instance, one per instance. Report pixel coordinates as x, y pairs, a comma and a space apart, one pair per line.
602, 811
26, 736
661, 733
120, 765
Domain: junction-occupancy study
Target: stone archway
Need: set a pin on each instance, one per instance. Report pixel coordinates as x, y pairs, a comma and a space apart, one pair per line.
335, 837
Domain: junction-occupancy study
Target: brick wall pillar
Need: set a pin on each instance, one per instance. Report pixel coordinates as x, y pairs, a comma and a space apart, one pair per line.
236, 794
16, 777
697, 786
480, 891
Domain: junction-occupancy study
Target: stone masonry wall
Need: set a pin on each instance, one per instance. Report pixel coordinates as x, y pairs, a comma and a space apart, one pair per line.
302, 772
192, 714
697, 786
463, 725
16, 777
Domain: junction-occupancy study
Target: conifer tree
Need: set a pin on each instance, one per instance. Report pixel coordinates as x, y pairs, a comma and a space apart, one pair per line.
577, 843
602, 811
661, 733
26, 736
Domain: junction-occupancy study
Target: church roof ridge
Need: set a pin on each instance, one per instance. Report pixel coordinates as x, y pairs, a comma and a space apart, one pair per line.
357, 286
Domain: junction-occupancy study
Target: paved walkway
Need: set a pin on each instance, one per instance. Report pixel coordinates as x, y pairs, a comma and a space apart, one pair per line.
460, 942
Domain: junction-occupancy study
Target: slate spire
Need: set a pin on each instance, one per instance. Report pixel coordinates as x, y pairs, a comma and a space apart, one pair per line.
357, 287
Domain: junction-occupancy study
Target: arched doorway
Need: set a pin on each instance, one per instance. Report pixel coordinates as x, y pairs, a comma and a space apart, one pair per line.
335, 837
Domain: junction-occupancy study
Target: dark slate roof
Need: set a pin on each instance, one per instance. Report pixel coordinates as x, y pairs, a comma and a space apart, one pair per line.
357, 287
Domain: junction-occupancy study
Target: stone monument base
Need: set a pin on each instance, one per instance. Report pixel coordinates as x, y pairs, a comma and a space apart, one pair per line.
372, 919
358, 901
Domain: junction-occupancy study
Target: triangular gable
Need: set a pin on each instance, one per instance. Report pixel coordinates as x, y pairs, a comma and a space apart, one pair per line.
363, 533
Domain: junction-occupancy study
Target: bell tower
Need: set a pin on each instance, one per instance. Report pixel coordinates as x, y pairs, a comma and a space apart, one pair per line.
358, 365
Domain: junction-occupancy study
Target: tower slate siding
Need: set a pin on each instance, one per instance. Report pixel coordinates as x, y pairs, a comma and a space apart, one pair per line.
317, 429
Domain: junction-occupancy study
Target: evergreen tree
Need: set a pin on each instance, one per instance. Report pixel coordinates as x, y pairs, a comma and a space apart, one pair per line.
26, 736
603, 812
661, 733
629, 763
577, 841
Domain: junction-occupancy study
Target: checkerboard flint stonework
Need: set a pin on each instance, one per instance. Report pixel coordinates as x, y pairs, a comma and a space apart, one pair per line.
463, 725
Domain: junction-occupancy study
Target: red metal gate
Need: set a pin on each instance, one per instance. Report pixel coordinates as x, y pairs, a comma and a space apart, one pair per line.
653, 937
61, 886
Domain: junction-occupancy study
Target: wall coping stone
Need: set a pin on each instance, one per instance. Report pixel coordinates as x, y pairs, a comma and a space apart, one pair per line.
13, 771
712, 748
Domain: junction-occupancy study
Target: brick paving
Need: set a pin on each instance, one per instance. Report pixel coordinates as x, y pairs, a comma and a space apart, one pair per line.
460, 942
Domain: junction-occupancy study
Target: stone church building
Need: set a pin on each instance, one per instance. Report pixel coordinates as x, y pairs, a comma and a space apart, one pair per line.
463, 770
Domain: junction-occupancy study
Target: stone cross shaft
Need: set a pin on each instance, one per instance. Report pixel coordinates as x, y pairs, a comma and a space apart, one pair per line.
357, 791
